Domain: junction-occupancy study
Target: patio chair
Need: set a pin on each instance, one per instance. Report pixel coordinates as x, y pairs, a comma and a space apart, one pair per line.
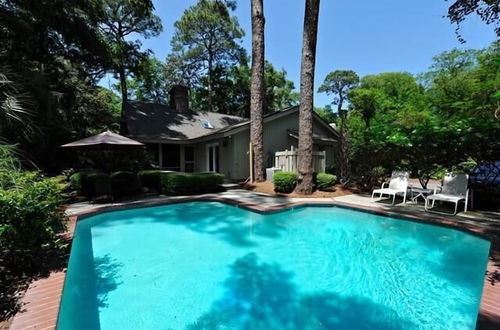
454, 190
398, 184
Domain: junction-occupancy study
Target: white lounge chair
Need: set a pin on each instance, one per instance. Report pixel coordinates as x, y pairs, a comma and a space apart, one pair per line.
398, 184
454, 190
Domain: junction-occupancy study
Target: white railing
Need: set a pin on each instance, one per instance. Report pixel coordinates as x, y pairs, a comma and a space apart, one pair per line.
287, 160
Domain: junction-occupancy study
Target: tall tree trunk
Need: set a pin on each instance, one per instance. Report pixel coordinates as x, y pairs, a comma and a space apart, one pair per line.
344, 149
305, 161
209, 78
123, 88
257, 90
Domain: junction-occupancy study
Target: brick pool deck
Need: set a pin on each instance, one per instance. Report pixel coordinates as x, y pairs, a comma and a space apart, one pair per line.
42, 299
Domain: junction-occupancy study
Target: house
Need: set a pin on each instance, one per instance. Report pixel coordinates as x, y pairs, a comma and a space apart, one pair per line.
184, 140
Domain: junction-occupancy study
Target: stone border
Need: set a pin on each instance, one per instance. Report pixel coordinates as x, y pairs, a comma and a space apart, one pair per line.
43, 297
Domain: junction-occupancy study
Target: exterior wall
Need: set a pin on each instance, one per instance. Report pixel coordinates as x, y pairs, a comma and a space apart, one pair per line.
240, 164
200, 157
225, 156
276, 138
320, 129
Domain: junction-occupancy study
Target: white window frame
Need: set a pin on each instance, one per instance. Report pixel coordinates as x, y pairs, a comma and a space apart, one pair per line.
184, 161
214, 161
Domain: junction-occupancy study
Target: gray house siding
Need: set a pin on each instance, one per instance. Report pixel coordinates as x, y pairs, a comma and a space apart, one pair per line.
280, 133
235, 159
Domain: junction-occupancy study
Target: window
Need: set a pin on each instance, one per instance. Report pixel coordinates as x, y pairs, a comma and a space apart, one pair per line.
188, 159
154, 151
213, 157
206, 124
171, 157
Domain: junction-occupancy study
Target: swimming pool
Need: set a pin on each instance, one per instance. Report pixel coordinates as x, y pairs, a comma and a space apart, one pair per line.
208, 265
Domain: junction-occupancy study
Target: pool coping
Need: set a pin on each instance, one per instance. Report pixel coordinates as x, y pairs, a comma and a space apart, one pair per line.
43, 296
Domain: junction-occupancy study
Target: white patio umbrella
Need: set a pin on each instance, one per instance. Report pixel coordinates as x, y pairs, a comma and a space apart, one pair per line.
106, 140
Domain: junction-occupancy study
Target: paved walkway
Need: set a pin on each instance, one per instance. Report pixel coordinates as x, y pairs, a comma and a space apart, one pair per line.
482, 218
43, 296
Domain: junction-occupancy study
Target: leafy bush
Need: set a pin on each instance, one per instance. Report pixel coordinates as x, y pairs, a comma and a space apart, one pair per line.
30, 215
174, 183
150, 179
31, 220
125, 183
331, 169
192, 183
325, 181
90, 184
75, 181
285, 182
79, 182
99, 184
379, 174
208, 182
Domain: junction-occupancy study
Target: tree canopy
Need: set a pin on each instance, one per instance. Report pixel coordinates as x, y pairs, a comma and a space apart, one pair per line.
151, 84
232, 91
338, 83
487, 10
206, 40
121, 20
443, 119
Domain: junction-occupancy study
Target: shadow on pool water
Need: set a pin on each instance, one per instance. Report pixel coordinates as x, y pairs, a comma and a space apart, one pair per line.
228, 224
263, 296
107, 273
92, 289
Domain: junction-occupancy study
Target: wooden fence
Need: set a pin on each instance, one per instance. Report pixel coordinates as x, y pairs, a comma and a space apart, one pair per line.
287, 160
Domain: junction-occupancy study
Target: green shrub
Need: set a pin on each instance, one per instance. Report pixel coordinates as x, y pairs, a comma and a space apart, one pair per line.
285, 182
150, 179
190, 183
30, 220
174, 184
75, 181
325, 181
208, 182
78, 182
331, 169
125, 183
90, 184
99, 184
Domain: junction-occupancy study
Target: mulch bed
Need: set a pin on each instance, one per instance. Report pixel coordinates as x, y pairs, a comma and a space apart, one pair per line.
268, 188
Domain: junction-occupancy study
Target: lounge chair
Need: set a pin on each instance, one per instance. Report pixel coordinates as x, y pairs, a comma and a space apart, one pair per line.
397, 185
454, 190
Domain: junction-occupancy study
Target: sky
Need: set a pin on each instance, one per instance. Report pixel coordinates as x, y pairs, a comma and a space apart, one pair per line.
366, 36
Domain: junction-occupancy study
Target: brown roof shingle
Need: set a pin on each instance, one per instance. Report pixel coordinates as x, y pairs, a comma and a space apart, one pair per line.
152, 121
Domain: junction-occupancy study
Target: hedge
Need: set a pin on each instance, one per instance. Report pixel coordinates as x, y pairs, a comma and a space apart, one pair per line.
150, 179
99, 184
125, 183
79, 182
325, 181
190, 183
285, 182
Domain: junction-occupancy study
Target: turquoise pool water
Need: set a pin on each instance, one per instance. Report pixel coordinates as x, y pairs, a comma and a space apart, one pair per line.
207, 265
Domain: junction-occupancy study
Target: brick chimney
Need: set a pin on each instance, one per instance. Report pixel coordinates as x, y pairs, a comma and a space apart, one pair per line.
179, 98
